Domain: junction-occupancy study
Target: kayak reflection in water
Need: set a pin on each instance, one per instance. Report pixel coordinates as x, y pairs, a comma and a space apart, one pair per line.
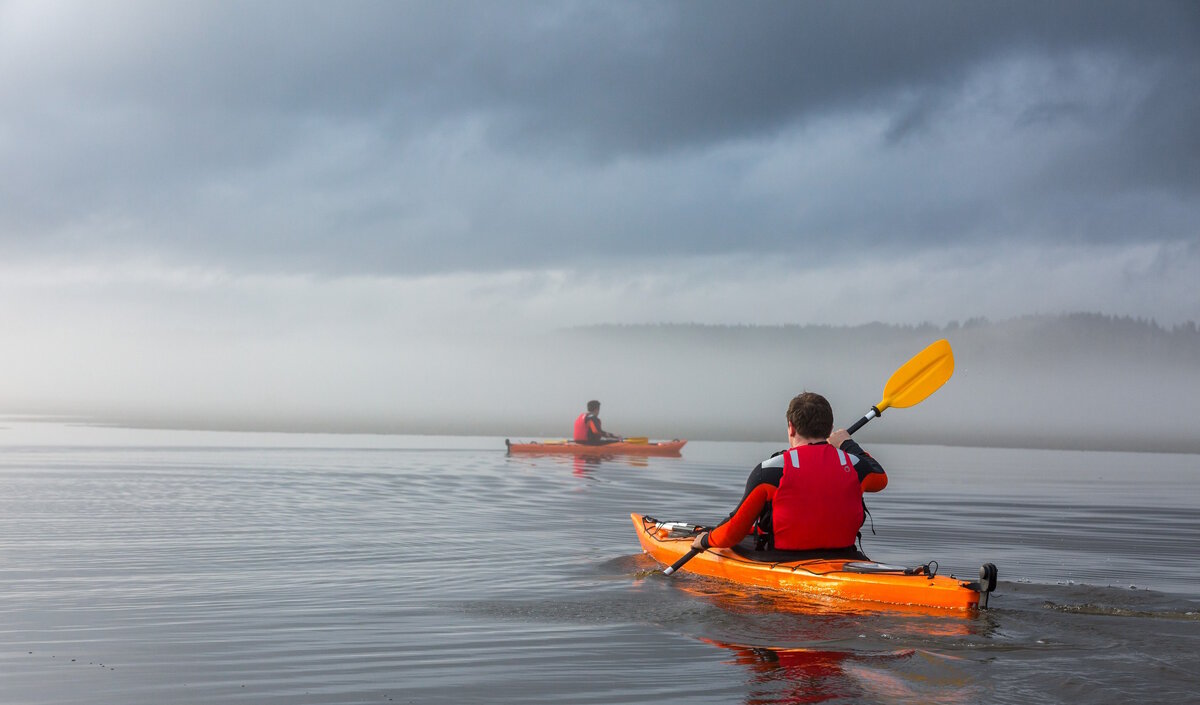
801, 675
808, 497
588, 429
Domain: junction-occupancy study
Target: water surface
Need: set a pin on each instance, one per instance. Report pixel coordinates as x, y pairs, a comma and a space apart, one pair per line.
182, 567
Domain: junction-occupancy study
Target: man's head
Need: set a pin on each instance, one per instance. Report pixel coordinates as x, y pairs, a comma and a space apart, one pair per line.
810, 416
593, 407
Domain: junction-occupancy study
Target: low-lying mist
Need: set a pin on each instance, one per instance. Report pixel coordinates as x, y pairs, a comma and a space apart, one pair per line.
1083, 381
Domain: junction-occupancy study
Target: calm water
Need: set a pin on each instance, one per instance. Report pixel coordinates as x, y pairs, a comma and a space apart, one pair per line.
172, 567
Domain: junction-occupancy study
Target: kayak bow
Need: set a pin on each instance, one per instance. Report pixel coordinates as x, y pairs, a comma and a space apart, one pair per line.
845, 577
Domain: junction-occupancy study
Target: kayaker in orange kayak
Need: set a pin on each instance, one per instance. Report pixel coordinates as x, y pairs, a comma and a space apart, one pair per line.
588, 429
809, 496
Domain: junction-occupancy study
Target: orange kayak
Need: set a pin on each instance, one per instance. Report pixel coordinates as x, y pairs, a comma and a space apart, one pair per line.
670, 448
848, 578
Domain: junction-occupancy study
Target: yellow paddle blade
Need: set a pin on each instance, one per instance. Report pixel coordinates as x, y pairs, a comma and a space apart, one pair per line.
637, 439
919, 377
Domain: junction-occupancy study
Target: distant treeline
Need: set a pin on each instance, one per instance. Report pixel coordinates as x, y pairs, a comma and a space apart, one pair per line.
1074, 332
1081, 380
1121, 326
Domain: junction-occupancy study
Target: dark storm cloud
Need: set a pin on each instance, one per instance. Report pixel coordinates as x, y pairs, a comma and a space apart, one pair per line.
719, 71
409, 137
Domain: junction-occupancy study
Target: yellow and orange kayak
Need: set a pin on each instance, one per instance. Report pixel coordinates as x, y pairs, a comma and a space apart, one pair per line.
640, 447
846, 577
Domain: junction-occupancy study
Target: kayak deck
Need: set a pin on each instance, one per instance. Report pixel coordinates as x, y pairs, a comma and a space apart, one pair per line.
846, 576
666, 448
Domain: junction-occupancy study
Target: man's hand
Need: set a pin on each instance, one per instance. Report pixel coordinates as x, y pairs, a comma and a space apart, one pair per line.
698, 544
838, 437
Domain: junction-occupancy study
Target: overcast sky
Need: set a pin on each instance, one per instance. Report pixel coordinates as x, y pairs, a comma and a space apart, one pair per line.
323, 180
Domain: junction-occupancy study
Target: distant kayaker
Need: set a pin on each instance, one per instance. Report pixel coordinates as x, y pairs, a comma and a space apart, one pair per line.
809, 496
588, 428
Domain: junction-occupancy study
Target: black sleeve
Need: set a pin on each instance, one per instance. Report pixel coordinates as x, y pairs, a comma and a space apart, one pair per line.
759, 475
866, 464
754, 479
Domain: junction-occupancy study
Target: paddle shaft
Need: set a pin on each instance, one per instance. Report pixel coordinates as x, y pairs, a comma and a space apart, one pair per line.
874, 412
679, 563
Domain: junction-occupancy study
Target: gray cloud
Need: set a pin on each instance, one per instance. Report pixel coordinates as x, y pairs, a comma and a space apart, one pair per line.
403, 138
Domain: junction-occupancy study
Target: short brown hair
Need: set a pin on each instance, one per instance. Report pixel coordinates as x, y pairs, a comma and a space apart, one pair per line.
810, 415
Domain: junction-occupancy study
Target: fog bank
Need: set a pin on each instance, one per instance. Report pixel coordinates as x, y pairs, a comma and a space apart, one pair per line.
1079, 381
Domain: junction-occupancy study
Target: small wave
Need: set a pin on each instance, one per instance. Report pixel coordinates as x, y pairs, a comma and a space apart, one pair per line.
1111, 611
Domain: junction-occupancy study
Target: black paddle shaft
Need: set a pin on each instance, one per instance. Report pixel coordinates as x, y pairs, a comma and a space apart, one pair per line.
863, 421
679, 563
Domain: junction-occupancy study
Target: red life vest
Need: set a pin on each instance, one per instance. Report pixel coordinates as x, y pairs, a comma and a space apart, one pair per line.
582, 428
819, 501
